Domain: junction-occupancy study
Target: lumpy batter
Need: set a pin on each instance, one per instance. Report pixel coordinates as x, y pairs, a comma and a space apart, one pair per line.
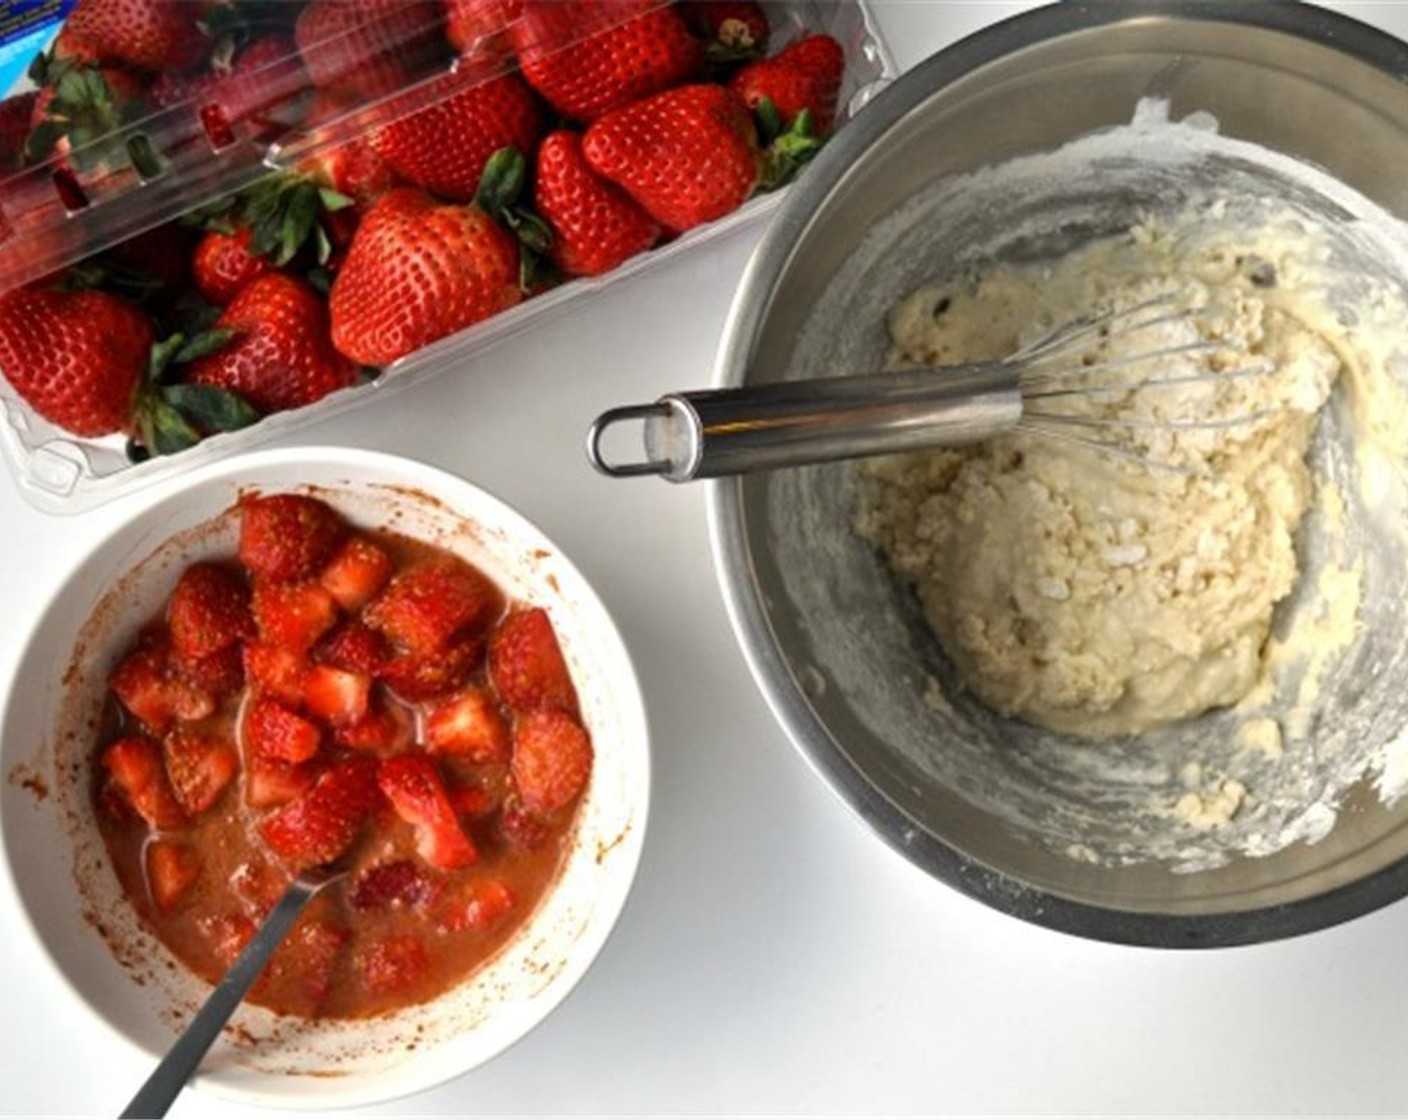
1085, 591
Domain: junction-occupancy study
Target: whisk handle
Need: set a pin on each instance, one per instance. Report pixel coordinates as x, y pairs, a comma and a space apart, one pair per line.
716, 432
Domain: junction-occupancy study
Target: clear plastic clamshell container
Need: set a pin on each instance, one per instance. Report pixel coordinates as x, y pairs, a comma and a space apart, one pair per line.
93, 194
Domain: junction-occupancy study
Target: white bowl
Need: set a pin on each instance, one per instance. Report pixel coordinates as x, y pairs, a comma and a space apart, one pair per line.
59, 870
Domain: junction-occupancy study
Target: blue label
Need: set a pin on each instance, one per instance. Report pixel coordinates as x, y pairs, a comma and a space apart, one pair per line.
26, 26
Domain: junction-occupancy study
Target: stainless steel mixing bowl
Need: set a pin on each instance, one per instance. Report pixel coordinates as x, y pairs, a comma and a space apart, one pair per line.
836, 645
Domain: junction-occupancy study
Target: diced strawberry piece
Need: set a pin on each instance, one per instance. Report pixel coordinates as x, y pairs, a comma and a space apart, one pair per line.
276, 671
320, 824
527, 666
146, 687
401, 883
470, 801
171, 869
417, 677
413, 786
308, 958
427, 604
386, 729
135, 767
395, 964
293, 616
469, 725
209, 611
335, 695
356, 574
520, 829
227, 935
287, 537
552, 760
272, 733
269, 784
199, 766
219, 675
481, 906
355, 647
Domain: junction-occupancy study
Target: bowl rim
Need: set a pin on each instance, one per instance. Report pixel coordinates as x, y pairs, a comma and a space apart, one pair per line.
259, 1088
729, 538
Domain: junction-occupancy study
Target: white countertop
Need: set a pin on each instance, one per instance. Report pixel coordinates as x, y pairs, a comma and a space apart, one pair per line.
774, 956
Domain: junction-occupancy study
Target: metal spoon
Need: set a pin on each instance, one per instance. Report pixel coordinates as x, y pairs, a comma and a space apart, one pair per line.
184, 1057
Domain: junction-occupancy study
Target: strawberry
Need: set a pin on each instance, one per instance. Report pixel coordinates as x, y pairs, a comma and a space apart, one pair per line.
268, 784
418, 271
527, 666
293, 616
732, 29
276, 671
224, 265
199, 767
427, 604
322, 822
444, 147
805, 76
394, 964
385, 729
353, 168
16, 117
273, 733
145, 684
152, 35
398, 884
413, 785
219, 675
416, 677
612, 66
335, 695
356, 573
366, 47
208, 611
134, 766
239, 82
280, 357
172, 869
552, 760
595, 224
468, 725
77, 106
473, 26
480, 906
355, 647
287, 537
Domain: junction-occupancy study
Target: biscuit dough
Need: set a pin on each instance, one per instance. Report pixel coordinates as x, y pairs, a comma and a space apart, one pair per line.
1080, 590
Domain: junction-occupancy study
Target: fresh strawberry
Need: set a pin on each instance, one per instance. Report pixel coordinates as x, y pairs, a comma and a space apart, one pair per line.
732, 29
429, 603
469, 725
805, 76
595, 224
218, 675
398, 884
480, 906
239, 82
474, 26
276, 671
552, 760
199, 766
394, 964
280, 356
146, 684
321, 823
172, 870
444, 147
135, 768
335, 695
370, 47
356, 573
305, 965
418, 271
416, 677
208, 611
287, 537
612, 65
76, 357
153, 35
526, 664
274, 733
270, 784
224, 265
385, 729
293, 616
355, 647
353, 168
414, 787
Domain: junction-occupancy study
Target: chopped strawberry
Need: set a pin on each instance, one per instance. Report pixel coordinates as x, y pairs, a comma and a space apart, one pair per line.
276, 671
146, 687
527, 666
413, 785
171, 870
272, 733
469, 801
356, 573
427, 604
385, 729
399, 884
134, 766
209, 611
227, 935
468, 725
394, 964
293, 616
417, 677
335, 695
309, 957
321, 823
552, 760
481, 906
219, 675
519, 828
355, 647
287, 537
269, 784
199, 766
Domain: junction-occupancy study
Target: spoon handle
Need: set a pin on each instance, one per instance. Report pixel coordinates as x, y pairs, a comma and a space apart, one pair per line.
181, 1061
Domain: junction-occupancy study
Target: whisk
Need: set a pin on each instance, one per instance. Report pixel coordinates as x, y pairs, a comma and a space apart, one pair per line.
711, 433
